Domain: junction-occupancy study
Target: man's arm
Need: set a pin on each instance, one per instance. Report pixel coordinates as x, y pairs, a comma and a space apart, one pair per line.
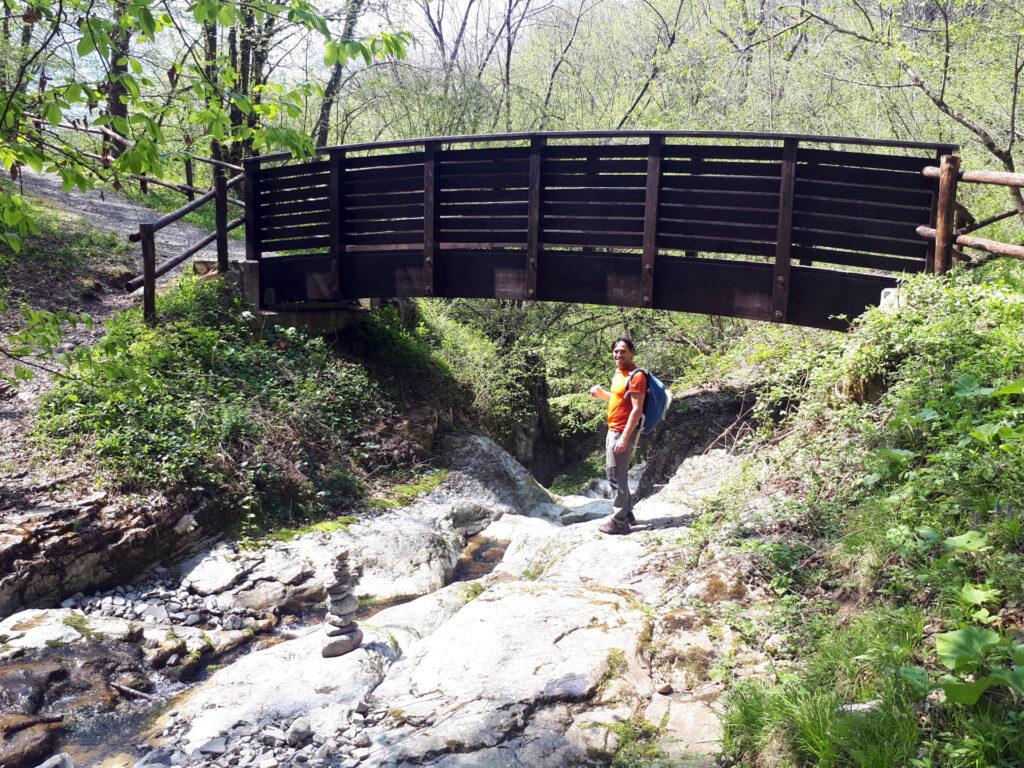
637, 403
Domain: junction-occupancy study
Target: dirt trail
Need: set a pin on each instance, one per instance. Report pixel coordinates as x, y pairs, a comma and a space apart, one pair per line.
113, 212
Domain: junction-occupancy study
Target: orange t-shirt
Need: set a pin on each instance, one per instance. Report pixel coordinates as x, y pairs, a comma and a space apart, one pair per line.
619, 406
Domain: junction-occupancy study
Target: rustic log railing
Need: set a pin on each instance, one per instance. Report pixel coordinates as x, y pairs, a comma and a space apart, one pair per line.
944, 236
787, 228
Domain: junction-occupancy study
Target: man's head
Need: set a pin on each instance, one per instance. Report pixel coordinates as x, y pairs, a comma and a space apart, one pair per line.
622, 351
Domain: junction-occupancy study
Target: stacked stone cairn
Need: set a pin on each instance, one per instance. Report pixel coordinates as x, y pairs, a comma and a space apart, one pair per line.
342, 633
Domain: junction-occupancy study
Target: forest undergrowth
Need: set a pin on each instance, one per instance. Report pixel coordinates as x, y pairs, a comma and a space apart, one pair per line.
901, 446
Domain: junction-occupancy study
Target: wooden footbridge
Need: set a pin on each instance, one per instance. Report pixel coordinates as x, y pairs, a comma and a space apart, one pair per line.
778, 227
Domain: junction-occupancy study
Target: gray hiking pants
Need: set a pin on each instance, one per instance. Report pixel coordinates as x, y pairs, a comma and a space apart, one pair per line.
617, 468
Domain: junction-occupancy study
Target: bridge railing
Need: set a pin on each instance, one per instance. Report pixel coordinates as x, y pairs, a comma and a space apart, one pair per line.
723, 223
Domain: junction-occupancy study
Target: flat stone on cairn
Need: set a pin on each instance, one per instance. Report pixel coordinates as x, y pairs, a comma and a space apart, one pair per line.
342, 632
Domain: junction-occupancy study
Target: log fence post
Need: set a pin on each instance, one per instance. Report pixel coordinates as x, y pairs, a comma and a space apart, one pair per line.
148, 239
650, 248
784, 233
190, 179
537, 144
336, 203
949, 171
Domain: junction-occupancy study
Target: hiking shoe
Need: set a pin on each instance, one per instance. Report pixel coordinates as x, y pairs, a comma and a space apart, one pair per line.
614, 527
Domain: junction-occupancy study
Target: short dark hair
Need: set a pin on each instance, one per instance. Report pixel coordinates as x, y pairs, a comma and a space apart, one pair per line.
626, 340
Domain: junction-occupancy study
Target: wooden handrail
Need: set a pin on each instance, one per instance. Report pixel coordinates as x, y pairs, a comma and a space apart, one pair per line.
186, 209
136, 282
1002, 178
979, 244
612, 134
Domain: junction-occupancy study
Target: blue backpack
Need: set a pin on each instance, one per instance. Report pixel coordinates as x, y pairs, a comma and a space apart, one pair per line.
655, 403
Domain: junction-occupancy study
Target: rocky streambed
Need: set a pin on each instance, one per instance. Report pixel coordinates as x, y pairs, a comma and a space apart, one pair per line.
500, 628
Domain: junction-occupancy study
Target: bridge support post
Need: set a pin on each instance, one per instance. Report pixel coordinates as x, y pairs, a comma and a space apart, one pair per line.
220, 215
336, 201
784, 232
537, 144
654, 151
429, 215
147, 237
949, 172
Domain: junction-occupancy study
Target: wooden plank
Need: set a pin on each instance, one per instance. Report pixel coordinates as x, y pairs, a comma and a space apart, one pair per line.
517, 165
445, 196
382, 200
388, 225
597, 209
864, 159
451, 181
371, 186
721, 199
516, 237
637, 166
220, 218
724, 230
595, 196
784, 235
482, 273
385, 238
650, 242
294, 195
733, 184
707, 213
376, 174
701, 167
383, 161
484, 222
294, 169
252, 212
949, 170
592, 224
385, 274
485, 209
429, 216
714, 286
382, 213
272, 210
606, 239
296, 182
863, 210
903, 230
723, 245
286, 233
297, 243
595, 151
485, 153
590, 278
294, 219
866, 176
864, 260
336, 222
592, 181
861, 193
857, 242
712, 152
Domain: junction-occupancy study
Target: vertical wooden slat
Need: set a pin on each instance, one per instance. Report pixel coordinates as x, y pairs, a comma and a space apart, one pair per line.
429, 216
949, 171
929, 256
654, 151
784, 232
336, 201
252, 202
533, 216
220, 216
148, 239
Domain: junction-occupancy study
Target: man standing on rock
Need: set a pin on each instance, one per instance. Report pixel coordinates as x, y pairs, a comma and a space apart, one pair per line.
625, 416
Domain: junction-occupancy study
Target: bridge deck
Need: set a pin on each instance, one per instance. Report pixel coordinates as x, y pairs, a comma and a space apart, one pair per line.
761, 226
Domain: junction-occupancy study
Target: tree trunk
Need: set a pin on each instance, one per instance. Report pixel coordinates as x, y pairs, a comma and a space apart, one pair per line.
334, 82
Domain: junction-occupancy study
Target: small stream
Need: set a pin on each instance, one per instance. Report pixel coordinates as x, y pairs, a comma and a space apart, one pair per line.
109, 739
